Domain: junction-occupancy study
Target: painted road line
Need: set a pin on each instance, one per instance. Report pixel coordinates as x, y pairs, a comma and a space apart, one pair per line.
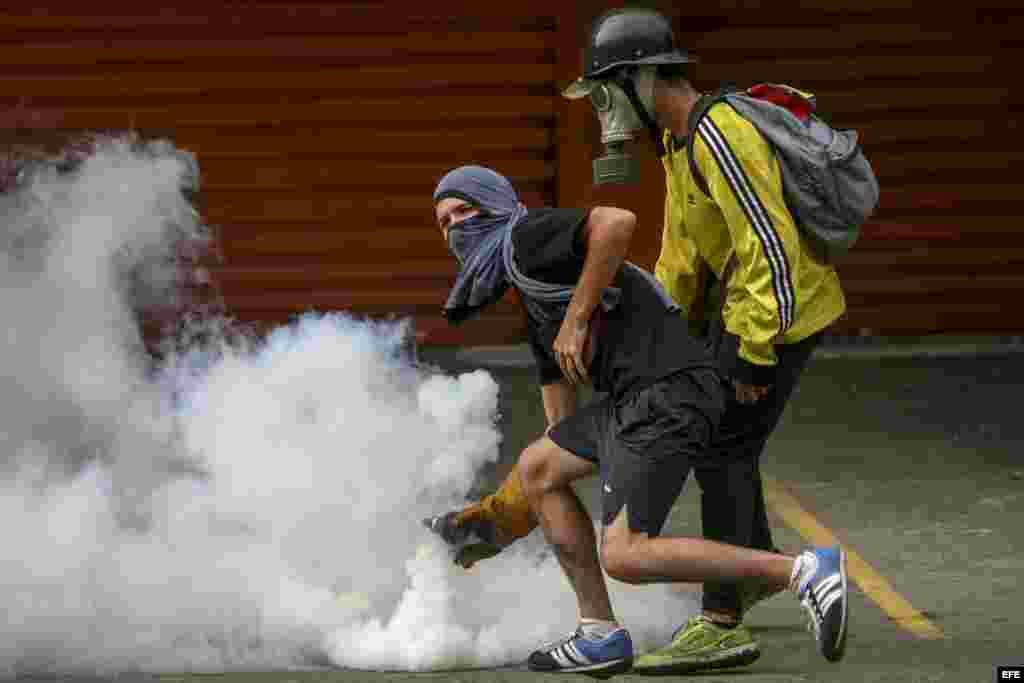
870, 581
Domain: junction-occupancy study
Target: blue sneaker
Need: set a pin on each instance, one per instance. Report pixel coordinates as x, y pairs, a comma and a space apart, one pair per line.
822, 594
602, 658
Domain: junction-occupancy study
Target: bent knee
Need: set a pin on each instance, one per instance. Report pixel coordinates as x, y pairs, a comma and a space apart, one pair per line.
620, 557
544, 467
535, 469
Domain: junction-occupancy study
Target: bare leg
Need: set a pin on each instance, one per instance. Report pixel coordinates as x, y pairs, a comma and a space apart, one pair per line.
635, 557
547, 472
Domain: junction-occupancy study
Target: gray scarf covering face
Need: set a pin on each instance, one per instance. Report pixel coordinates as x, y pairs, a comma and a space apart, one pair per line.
479, 242
483, 246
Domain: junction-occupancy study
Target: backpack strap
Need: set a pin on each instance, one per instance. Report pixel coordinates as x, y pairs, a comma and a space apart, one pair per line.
697, 114
796, 102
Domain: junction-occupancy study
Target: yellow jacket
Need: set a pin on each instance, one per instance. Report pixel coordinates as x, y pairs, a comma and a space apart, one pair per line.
778, 292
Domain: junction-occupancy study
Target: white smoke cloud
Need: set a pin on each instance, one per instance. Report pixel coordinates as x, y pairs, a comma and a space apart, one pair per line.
249, 503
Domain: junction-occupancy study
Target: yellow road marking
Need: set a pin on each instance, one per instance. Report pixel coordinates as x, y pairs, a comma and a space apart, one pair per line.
870, 581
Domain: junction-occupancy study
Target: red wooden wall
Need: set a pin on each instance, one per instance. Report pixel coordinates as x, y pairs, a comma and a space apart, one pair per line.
321, 129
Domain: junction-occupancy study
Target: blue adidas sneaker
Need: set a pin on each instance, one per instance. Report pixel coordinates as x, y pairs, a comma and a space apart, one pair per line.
601, 658
823, 595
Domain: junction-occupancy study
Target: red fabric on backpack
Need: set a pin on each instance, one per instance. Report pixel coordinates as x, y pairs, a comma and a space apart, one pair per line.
799, 106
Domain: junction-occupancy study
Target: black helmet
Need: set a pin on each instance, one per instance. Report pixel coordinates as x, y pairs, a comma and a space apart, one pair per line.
630, 36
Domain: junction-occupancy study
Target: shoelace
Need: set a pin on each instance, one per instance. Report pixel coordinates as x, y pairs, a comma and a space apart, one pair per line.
683, 627
814, 614
578, 633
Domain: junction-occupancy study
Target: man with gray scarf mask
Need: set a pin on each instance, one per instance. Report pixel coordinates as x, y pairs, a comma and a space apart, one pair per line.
594, 317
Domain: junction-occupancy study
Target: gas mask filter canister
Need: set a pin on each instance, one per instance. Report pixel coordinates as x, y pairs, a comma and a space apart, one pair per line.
619, 125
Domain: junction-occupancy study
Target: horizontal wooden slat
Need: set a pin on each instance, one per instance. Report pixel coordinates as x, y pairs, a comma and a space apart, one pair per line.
997, 117
839, 68
978, 230
883, 131
965, 230
298, 174
872, 100
253, 19
934, 318
949, 197
272, 143
182, 50
838, 39
895, 40
937, 257
262, 210
957, 283
440, 107
1006, 299
901, 97
812, 11
898, 164
396, 299
909, 230
327, 81
386, 247
332, 276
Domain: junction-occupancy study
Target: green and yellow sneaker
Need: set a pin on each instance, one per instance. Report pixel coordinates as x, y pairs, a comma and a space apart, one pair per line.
698, 645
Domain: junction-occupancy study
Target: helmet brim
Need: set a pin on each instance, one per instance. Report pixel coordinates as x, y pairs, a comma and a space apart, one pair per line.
674, 57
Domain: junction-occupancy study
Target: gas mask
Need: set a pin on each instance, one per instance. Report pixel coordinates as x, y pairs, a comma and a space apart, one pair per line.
620, 120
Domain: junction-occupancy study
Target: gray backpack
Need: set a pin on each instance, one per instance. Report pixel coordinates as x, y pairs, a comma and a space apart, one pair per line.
829, 186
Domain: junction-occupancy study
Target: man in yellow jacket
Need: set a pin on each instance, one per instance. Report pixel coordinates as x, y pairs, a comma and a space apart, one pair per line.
775, 297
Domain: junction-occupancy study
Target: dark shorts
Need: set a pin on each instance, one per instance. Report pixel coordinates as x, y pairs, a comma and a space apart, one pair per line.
646, 443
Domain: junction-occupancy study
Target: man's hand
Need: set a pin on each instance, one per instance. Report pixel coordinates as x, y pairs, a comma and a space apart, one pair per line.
749, 394
473, 519
569, 348
470, 535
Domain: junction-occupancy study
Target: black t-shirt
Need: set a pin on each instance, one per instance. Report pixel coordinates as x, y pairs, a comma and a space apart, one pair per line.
639, 341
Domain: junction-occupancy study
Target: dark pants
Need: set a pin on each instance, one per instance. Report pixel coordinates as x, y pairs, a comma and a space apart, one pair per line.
646, 443
732, 495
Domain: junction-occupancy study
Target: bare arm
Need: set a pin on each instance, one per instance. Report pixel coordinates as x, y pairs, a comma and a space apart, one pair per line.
559, 401
608, 233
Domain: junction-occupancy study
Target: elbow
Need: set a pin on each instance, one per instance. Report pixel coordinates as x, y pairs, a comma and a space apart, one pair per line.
628, 227
624, 225
613, 224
